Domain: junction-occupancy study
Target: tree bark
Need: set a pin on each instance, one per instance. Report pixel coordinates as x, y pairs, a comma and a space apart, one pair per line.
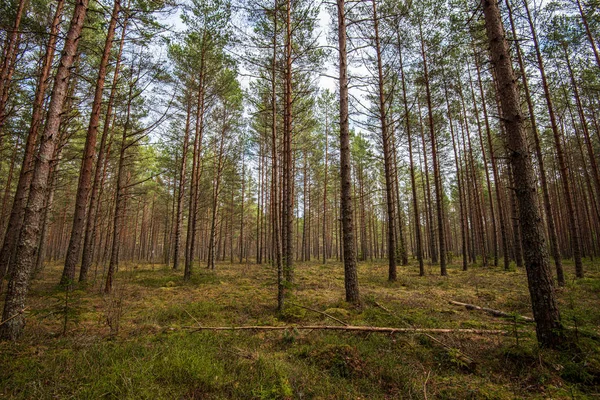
350, 270
89, 240
87, 162
545, 309
387, 155
436, 167
415, 200
181, 190
8, 61
15, 221
554, 248
29, 236
574, 227
288, 177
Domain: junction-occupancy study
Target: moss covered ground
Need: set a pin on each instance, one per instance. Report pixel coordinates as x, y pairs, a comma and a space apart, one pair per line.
137, 342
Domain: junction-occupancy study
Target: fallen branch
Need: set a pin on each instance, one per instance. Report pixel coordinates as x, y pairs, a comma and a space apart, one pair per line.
496, 313
347, 328
13, 316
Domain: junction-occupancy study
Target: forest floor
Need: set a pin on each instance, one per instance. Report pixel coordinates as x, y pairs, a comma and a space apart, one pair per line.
137, 342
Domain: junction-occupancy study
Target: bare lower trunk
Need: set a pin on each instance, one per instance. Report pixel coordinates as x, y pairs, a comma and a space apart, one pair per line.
436, 169
89, 240
8, 62
30, 234
15, 221
350, 270
120, 200
545, 310
87, 162
181, 190
562, 163
288, 176
387, 155
554, 248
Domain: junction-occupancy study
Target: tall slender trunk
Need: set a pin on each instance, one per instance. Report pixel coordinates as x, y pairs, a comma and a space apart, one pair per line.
588, 32
120, 199
574, 227
350, 270
543, 301
101, 164
29, 236
8, 62
87, 162
413, 183
275, 214
554, 247
288, 177
215, 197
181, 190
459, 182
387, 155
241, 239
325, 187
7, 185
436, 166
41, 254
15, 221
402, 253
196, 170
584, 126
484, 156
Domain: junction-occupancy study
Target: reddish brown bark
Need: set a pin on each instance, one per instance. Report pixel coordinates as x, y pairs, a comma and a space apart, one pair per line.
87, 162
30, 234
20, 198
100, 171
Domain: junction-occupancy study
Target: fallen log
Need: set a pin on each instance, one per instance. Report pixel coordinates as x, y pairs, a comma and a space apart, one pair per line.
348, 328
496, 313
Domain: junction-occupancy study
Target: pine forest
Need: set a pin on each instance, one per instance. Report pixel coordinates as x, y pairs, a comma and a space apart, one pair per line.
299, 199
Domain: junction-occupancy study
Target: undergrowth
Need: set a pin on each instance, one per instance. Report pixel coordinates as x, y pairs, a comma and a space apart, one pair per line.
141, 343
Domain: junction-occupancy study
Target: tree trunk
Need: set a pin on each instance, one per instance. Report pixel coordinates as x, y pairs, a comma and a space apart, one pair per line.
350, 270
574, 227
101, 166
15, 221
387, 156
194, 189
588, 33
85, 173
436, 167
554, 247
29, 236
120, 200
181, 190
8, 62
545, 310
288, 177
459, 182
484, 156
325, 187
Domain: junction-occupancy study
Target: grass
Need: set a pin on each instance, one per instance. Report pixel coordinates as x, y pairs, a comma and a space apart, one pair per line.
134, 344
